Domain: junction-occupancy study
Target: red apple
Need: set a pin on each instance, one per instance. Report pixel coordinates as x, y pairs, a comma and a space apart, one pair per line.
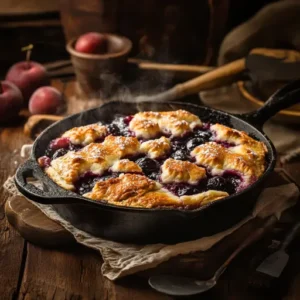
92, 43
27, 76
45, 100
11, 101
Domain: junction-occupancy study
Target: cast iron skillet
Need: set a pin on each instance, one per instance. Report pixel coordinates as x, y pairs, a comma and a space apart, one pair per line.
138, 225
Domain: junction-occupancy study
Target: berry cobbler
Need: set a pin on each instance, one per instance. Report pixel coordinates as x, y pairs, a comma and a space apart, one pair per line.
155, 159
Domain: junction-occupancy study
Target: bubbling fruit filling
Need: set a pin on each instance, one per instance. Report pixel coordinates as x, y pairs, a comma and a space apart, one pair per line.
185, 157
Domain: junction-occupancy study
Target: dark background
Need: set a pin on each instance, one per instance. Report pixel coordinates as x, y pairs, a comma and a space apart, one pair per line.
179, 31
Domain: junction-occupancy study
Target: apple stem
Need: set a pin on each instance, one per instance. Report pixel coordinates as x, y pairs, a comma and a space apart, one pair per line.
28, 50
1, 88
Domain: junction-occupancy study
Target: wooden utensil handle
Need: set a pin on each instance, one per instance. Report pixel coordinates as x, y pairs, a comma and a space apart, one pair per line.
216, 78
174, 67
34, 121
223, 75
286, 55
57, 64
255, 236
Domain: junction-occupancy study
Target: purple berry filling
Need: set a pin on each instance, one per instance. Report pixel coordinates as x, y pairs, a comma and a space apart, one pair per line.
181, 189
206, 126
230, 182
150, 167
44, 161
225, 144
60, 147
88, 180
59, 143
119, 126
128, 119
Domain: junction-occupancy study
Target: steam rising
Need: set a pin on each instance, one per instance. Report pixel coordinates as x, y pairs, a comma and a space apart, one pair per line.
146, 86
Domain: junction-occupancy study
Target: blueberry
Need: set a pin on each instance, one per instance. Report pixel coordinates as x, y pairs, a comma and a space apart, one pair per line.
49, 152
181, 189
148, 165
232, 182
88, 181
206, 135
74, 147
113, 129
84, 188
193, 143
153, 175
194, 190
86, 185
59, 153
106, 177
178, 145
180, 155
186, 189
217, 183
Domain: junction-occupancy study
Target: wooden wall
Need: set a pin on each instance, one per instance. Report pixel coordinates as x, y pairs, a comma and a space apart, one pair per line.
168, 31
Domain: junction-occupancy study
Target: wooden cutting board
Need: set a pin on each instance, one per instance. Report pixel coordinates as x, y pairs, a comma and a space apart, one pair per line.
33, 225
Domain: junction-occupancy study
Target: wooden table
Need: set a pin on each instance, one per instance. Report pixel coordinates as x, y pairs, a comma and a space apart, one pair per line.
30, 272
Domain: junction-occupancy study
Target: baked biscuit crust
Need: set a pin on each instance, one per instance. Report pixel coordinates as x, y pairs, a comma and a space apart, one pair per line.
120, 169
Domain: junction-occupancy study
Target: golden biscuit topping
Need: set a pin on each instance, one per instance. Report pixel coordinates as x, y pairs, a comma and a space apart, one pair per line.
175, 123
122, 188
203, 198
220, 159
139, 191
126, 166
85, 135
95, 158
181, 171
156, 148
248, 146
145, 149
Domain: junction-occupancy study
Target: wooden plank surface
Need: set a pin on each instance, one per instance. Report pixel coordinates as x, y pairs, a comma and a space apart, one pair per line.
11, 243
74, 273
12, 7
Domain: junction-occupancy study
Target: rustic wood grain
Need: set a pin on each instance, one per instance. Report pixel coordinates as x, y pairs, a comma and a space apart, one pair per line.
73, 273
11, 244
33, 225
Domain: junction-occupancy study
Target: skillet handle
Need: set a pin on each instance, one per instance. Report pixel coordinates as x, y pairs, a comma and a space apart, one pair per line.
281, 99
51, 194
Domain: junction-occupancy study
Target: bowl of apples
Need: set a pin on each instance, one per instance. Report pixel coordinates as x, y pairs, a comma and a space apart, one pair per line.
99, 60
